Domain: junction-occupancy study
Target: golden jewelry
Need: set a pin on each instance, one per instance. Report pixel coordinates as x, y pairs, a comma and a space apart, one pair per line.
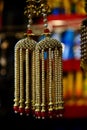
38, 79
83, 62
24, 70
49, 78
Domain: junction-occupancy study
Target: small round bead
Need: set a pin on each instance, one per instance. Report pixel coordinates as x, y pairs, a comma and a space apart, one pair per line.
45, 25
30, 21
45, 20
16, 109
29, 31
38, 114
50, 114
21, 110
44, 15
28, 26
43, 115
27, 111
29, 16
46, 30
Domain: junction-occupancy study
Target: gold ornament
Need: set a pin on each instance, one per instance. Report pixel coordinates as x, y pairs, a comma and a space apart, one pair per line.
49, 76
83, 62
38, 79
24, 71
49, 87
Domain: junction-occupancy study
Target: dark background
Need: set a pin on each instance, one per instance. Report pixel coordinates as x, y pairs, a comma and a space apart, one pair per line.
13, 13
13, 20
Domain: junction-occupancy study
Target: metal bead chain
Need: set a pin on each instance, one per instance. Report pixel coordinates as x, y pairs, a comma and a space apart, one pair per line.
44, 16
38, 96
21, 80
16, 67
50, 82
33, 80
43, 83
60, 81
27, 79
29, 21
56, 78
45, 20
47, 81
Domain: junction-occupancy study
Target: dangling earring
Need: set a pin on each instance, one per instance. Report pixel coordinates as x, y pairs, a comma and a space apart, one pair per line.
38, 79
49, 75
24, 66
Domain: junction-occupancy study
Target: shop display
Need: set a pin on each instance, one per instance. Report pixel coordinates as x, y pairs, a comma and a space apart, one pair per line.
68, 39
67, 7
85, 85
77, 47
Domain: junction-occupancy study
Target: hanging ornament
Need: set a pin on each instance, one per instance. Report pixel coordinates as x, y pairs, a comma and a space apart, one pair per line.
24, 68
38, 70
83, 62
83, 45
49, 75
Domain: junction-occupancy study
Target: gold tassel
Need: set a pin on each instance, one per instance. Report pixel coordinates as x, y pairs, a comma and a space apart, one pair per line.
49, 82
24, 98
38, 80
23, 53
49, 97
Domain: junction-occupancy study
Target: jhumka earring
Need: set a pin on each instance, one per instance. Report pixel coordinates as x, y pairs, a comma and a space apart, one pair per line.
49, 74
24, 67
38, 79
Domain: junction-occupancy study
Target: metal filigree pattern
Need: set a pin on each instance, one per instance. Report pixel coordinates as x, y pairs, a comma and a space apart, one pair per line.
36, 7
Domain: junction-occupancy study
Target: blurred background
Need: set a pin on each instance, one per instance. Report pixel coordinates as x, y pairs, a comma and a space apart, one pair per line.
64, 22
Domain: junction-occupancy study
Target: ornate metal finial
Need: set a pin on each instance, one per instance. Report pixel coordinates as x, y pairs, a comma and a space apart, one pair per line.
36, 7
